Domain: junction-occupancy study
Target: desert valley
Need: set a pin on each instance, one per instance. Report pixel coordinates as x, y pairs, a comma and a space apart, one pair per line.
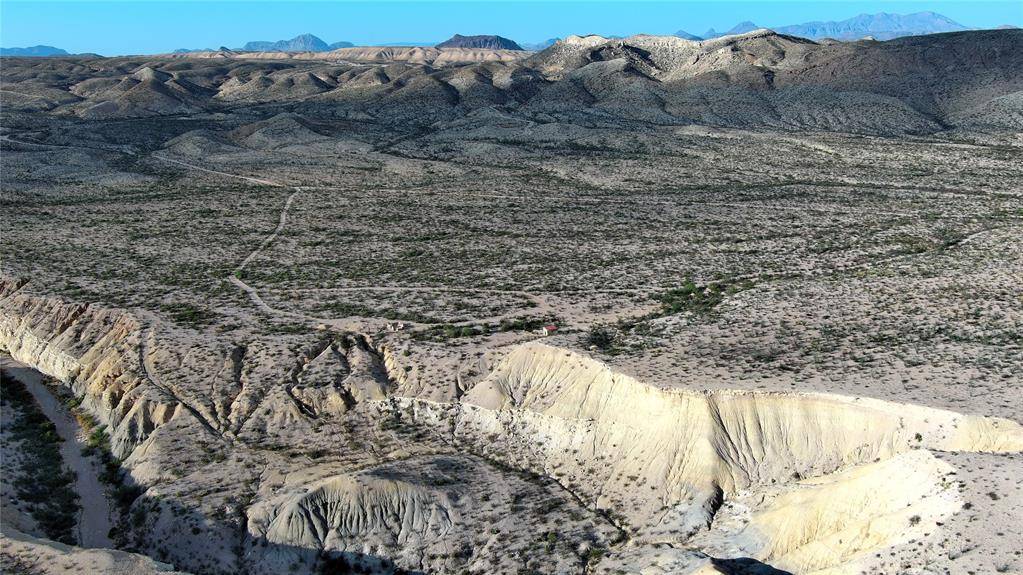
642, 305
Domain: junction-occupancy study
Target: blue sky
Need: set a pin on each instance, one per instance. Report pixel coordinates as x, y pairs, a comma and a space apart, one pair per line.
140, 27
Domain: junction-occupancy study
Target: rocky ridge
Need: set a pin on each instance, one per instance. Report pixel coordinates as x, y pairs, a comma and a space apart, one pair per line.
758, 80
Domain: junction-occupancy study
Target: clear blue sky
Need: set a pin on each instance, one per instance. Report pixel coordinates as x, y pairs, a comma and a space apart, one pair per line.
141, 27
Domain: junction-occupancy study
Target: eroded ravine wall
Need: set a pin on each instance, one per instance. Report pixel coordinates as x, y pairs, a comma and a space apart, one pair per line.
660, 457
658, 461
96, 352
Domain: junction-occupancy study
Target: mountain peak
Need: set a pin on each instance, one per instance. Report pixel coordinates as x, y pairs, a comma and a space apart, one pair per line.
33, 52
300, 43
740, 28
489, 42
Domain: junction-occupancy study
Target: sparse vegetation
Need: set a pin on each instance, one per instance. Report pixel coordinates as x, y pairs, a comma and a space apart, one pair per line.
43, 482
698, 299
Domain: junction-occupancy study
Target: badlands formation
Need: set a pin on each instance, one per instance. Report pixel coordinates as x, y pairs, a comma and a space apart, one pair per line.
642, 305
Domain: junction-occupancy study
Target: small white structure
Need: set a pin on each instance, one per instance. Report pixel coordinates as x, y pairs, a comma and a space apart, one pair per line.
548, 330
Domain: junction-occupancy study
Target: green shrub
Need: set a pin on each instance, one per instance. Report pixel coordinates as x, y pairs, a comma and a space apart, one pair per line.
600, 336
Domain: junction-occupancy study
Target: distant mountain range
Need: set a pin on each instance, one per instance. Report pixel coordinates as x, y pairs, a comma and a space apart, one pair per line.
881, 26
300, 43
484, 42
33, 51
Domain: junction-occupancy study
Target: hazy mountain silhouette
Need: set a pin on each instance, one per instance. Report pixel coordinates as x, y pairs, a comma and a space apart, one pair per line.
882, 26
300, 43
33, 51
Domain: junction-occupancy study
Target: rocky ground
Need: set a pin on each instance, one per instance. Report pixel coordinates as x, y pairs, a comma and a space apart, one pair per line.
306, 321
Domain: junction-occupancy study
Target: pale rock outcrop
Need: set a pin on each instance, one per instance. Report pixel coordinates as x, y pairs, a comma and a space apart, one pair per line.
830, 524
103, 356
95, 352
664, 458
348, 513
48, 557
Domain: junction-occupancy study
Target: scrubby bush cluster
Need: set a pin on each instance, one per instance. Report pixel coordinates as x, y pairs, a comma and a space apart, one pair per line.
42, 481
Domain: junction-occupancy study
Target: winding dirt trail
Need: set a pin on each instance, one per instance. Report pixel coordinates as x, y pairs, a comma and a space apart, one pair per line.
226, 174
273, 236
352, 323
94, 521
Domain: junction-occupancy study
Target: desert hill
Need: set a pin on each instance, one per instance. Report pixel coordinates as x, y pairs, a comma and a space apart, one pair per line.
489, 42
373, 55
760, 78
434, 56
